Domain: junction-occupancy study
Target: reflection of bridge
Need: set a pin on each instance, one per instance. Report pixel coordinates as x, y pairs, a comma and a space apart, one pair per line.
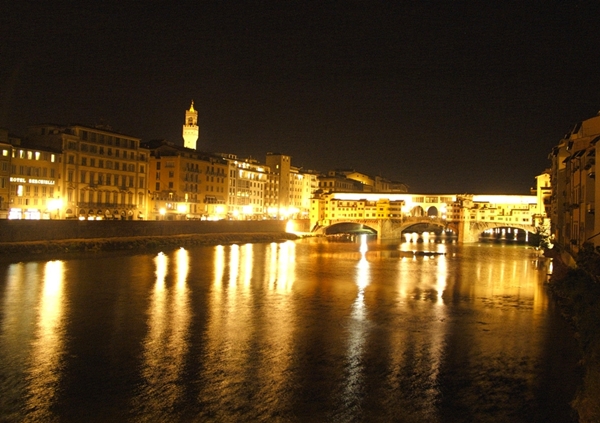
391, 214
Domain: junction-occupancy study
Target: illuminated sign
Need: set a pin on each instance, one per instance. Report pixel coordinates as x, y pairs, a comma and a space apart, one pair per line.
32, 181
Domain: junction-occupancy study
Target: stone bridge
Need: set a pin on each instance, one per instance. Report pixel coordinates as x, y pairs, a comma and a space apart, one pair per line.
393, 228
468, 216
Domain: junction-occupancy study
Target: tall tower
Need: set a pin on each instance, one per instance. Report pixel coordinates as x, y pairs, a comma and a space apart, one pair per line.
190, 128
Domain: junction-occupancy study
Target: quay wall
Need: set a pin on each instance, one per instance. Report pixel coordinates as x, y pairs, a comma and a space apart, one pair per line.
55, 230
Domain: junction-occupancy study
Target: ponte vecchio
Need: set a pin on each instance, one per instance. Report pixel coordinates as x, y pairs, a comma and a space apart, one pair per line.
467, 215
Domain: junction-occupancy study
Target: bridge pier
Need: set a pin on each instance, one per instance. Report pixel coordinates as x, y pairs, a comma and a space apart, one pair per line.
389, 230
467, 234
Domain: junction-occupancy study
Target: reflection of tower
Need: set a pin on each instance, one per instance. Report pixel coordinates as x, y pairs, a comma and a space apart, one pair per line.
190, 128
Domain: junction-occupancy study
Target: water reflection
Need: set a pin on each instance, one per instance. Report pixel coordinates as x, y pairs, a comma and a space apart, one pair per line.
357, 337
48, 347
166, 343
298, 331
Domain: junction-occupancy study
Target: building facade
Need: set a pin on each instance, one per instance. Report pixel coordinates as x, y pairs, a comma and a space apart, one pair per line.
574, 221
248, 180
103, 174
5, 156
185, 183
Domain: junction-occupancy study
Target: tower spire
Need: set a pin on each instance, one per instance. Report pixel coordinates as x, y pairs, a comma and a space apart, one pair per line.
190, 128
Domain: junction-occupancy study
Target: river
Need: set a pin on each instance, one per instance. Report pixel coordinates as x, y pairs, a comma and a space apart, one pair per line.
300, 331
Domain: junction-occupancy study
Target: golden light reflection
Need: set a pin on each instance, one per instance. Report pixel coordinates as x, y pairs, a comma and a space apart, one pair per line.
234, 264
219, 272
442, 276
357, 328
166, 343
286, 265
247, 254
236, 322
48, 347
271, 259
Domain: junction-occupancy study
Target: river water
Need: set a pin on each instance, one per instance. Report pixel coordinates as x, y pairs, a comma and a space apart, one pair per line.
301, 331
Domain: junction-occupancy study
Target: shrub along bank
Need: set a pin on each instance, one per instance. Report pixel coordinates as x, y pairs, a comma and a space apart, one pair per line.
578, 293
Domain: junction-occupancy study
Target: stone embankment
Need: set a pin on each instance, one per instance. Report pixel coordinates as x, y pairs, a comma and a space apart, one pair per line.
578, 292
139, 243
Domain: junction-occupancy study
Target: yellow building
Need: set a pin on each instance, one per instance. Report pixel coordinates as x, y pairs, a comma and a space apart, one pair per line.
247, 183
185, 183
29, 177
103, 173
5, 155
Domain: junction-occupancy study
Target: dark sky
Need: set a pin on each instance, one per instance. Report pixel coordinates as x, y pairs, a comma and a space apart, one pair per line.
446, 96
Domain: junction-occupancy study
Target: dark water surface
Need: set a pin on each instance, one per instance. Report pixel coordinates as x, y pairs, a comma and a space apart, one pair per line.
304, 331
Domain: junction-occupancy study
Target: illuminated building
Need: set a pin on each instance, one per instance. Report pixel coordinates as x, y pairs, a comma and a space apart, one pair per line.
190, 128
5, 155
289, 189
185, 183
279, 198
352, 181
33, 183
103, 173
574, 189
247, 180
335, 181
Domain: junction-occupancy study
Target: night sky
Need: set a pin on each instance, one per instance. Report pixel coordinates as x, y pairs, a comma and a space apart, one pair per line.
445, 96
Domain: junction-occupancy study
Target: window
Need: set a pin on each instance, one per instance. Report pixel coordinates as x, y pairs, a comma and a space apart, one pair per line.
158, 186
84, 161
170, 185
157, 165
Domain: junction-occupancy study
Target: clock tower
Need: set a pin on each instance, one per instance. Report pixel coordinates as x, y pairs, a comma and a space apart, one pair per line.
190, 128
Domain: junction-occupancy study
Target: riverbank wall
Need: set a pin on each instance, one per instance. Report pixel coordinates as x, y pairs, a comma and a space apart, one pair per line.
55, 230
54, 236
577, 290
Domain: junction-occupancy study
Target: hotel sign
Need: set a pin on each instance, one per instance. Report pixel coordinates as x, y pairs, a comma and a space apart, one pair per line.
32, 181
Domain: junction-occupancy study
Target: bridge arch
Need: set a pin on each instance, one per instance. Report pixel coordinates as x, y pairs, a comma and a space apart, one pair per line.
349, 227
417, 211
478, 231
432, 211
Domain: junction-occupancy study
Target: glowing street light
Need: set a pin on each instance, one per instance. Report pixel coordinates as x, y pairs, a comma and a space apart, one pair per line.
55, 204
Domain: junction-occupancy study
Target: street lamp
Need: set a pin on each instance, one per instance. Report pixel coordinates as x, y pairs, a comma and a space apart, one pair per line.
55, 204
